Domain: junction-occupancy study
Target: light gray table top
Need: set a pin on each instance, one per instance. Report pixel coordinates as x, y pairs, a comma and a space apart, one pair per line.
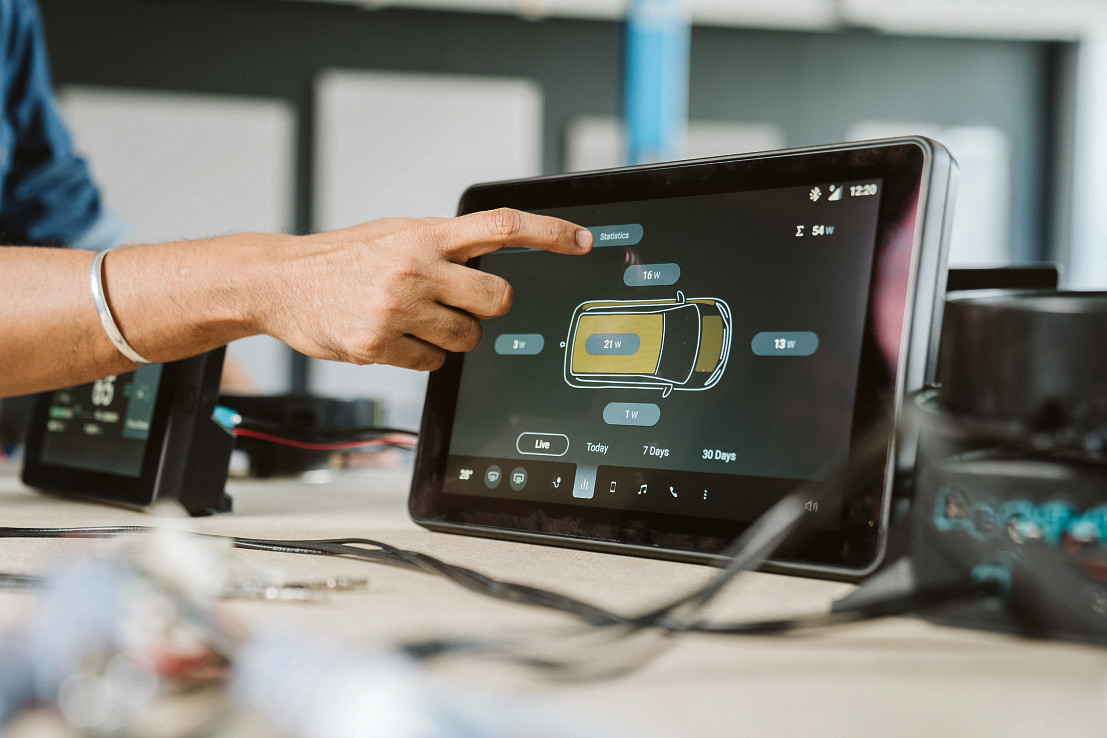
898, 676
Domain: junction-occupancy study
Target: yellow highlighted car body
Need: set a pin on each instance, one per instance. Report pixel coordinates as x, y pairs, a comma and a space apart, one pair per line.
671, 344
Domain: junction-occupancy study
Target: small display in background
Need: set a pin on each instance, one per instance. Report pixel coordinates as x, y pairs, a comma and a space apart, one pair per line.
103, 426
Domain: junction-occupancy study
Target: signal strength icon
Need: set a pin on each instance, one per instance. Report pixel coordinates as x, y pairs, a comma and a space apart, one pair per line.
835, 193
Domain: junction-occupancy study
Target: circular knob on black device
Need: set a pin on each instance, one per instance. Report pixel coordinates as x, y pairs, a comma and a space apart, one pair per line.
1031, 360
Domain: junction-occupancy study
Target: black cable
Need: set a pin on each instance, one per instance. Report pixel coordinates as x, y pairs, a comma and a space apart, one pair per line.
656, 621
764, 535
747, 552
20, 581
364, 445
465, 577
915, 602
385, 554
353, 433
751, 547
676, 616
629, 644
630, 641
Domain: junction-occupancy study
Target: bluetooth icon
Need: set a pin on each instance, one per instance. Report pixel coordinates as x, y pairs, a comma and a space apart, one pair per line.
816, 193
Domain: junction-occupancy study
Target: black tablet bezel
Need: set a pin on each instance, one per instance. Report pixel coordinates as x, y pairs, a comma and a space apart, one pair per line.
905, 166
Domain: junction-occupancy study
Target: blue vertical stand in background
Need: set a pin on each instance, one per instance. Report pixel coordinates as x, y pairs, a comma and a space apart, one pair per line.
656, 97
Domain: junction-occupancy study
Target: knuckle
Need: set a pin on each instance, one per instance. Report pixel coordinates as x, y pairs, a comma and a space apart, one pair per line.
406, 267
425, 231
374, 346
468, 334
430, 361
388, 307
331, 348
387, 226
501, 297
552, 230
504, 222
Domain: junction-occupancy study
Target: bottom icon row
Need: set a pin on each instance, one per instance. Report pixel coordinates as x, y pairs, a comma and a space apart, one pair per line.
493, 475
644, 488
515, 478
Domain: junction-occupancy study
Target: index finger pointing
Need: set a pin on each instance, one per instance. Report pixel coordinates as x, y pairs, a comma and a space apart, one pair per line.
475, 234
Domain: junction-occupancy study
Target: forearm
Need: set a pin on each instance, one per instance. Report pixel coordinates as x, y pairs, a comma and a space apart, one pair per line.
169, 301
394, 291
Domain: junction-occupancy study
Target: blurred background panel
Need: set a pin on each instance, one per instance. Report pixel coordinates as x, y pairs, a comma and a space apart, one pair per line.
1017, 89
406, 145
981, 235
391, 145
186, 165
1083, 246
599, 142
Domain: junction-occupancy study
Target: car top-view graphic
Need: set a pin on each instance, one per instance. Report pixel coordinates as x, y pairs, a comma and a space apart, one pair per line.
662, 345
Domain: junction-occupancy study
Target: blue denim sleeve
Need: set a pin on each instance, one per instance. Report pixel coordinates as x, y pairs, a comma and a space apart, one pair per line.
47, 196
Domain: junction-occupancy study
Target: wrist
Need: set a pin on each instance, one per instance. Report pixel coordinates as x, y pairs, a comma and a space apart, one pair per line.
268, 267
178, 299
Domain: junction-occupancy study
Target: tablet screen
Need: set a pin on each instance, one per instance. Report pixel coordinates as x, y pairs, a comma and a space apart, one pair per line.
727, 339
103, 426
675, 360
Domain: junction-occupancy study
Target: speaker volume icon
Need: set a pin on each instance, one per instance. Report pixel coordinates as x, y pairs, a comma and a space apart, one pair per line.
811, 506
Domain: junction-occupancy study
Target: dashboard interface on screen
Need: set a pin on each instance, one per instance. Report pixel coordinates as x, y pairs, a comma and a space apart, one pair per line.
103, 426
741, 327
702, 360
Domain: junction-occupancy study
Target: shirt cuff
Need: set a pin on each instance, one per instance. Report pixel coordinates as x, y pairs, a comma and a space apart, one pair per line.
106, 232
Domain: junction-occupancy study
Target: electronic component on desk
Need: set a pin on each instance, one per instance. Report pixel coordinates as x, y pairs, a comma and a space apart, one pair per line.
1014, 277
319, 418
740, 326
135, 438
1012, 475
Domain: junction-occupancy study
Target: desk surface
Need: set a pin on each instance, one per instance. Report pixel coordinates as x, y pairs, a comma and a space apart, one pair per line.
898, 676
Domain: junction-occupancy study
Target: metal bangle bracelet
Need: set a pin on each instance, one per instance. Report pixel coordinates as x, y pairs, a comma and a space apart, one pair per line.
96, 283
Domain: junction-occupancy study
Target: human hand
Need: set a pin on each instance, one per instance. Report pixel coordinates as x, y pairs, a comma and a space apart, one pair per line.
397, 291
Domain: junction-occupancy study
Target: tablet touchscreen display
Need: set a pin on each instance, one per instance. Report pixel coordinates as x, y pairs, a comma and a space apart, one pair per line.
732, 334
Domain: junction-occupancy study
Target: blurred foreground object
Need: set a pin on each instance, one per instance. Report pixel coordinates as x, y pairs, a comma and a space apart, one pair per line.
132, 641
